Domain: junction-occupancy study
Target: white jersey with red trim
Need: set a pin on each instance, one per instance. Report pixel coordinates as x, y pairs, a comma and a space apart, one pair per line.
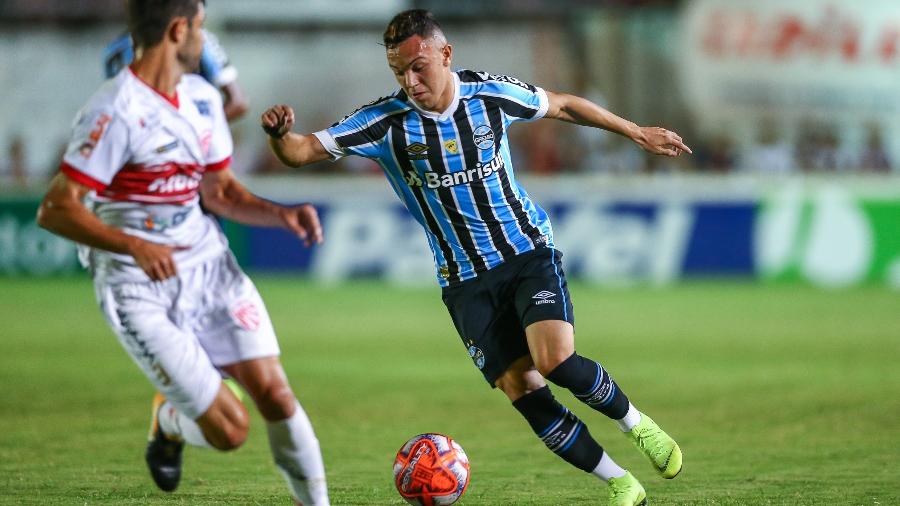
144, 155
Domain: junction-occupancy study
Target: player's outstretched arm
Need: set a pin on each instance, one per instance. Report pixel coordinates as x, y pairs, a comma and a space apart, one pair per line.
63, 213
582, 111
225, 196
294, 150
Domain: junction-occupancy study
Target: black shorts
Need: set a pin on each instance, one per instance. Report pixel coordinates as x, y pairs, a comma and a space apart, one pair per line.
490, 312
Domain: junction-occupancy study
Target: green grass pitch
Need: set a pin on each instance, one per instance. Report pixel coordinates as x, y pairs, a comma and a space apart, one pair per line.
777, 395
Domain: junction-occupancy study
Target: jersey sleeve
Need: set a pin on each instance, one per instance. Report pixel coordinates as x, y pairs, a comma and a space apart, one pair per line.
519, 100
98, 148
221, 145
215, 66
361, 133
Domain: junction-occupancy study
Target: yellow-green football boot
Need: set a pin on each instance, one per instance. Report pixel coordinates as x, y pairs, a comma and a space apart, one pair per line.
626, 491
662, 450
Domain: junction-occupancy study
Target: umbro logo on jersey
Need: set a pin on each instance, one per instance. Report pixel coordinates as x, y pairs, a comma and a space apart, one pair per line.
543, 297
417, 151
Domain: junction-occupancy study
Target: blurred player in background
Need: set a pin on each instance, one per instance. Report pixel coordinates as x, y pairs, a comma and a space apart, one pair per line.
214, 66
442, 143
149, 142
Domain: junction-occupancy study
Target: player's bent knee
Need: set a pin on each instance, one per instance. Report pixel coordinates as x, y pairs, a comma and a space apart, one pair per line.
276, 403
231, 430
226, 423
516, 383
236, 436
228, 438
547, 363
235, 416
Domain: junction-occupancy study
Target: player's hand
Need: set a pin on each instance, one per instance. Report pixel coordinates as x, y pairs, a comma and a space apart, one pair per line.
155, 259
277, 120
660, 141
303, 220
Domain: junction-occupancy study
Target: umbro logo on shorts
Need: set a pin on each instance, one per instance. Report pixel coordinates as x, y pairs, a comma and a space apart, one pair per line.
543, 297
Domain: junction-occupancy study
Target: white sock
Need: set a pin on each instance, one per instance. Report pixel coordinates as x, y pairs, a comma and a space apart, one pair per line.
174, 424
296, 453
631, 418
607, 469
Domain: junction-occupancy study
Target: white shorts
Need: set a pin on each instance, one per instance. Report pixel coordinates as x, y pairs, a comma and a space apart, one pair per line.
180, 330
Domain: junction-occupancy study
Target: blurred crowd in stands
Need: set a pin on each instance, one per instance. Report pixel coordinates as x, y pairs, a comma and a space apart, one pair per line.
544, 148
817, 149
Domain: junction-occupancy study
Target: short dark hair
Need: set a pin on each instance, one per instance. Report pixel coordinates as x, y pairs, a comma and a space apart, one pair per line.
148, 19
408, 23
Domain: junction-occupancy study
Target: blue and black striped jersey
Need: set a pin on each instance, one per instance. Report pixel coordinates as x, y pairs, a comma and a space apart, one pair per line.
453, 170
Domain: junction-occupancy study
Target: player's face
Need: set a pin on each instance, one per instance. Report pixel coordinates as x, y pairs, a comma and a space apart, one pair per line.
192, 46
422, 68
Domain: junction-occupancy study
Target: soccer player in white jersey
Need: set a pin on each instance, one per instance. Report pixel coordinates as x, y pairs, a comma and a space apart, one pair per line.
149, 142
443, 145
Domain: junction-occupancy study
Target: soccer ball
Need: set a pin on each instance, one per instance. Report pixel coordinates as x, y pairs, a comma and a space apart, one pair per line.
431, 470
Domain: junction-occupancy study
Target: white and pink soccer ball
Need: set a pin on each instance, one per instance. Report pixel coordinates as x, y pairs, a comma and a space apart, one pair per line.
431, 470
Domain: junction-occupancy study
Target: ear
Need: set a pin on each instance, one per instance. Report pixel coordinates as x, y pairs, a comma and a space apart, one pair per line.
178, 30
447, 55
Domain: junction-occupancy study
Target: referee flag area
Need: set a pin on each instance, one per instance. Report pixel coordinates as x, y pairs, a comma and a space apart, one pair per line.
777, 394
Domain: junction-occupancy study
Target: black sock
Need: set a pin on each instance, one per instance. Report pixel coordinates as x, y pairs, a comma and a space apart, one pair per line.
591, 384
560, 430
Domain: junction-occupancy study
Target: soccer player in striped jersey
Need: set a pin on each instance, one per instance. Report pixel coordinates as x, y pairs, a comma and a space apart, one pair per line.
442, 142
